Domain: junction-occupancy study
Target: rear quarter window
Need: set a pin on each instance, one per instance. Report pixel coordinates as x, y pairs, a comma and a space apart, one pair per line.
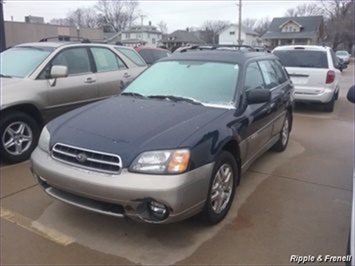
132, 55
303, 58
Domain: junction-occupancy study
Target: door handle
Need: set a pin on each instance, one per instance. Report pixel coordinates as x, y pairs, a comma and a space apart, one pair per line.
90, 80
126, 75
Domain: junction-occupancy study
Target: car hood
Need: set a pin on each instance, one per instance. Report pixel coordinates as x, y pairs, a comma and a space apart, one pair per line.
127, 126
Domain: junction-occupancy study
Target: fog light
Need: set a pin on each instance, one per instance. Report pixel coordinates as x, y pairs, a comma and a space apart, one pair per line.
159, 210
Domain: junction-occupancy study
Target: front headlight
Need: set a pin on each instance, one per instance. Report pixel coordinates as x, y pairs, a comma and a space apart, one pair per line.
160, 162
43, 142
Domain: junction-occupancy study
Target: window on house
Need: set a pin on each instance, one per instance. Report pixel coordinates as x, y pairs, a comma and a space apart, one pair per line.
232, 33
148, 35
286, 28
128, 35
153, 41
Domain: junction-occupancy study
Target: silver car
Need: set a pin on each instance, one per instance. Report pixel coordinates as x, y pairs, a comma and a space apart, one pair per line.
42, 80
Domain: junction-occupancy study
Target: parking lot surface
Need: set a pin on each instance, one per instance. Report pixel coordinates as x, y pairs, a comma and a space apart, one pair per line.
294, 203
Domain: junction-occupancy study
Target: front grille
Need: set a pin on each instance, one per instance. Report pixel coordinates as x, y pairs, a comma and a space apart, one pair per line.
88, 159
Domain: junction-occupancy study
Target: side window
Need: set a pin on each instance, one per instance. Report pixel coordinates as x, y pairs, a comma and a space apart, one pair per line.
132, 55
253, 77
76, 59
280, 71
106, 60
269, 74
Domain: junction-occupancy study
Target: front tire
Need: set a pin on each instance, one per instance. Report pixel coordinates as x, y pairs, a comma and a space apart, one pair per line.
18, 137
222, 188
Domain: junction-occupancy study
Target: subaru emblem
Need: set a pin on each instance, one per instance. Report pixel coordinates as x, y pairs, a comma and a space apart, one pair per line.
81, 157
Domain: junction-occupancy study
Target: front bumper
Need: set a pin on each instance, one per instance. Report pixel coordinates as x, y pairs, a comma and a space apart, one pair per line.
303, 94
184, 195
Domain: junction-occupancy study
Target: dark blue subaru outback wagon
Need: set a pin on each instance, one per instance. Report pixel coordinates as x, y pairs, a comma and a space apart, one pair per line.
175, 142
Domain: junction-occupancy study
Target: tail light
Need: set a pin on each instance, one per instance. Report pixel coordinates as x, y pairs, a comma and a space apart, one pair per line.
330, 77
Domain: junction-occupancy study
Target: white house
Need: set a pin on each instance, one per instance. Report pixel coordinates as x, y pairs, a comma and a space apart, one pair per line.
147, 35
230, 36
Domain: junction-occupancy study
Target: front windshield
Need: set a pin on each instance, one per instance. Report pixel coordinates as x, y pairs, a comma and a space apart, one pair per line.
205, 82
21, 61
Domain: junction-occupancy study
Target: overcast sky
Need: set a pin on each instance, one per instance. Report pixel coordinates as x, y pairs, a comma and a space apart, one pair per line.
177, 14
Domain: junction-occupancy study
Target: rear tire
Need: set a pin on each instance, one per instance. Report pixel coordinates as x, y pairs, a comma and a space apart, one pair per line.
282, 143
329, 107
222, 188
19, 134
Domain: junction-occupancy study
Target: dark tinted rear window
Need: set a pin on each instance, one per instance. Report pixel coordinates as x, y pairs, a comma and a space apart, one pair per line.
303, 58
150, 56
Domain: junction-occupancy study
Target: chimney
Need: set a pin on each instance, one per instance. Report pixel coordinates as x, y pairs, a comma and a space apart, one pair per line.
150, 23
187, 29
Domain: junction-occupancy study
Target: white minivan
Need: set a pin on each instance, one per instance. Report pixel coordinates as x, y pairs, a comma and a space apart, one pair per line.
314, 71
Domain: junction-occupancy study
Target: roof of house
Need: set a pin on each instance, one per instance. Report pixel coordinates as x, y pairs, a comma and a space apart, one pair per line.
310, 26
108, 36
245, 29
182, 36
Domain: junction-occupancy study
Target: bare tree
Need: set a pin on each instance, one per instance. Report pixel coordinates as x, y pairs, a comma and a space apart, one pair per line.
250, 23
84, 17
118, 13
212, 28
163, 27
262, 26
59, 21
339, 23
310, 9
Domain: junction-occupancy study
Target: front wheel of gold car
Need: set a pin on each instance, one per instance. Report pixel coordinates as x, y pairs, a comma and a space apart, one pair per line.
18, 137
222, 188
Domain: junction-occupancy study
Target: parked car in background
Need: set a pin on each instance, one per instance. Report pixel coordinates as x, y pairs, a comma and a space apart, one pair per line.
174, 143
314, 71
44, 79
344, 56
151, 55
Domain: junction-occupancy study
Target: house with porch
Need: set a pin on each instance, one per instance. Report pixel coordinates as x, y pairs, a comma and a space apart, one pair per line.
295, 30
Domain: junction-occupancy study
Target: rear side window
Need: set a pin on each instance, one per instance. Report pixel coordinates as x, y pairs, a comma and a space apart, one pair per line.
253, 77
269, 73
106, 60
303, 58
132, 55
76, 59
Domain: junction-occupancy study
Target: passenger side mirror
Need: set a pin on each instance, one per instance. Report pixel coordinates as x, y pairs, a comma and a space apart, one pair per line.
258, 95
351, 94
59, 71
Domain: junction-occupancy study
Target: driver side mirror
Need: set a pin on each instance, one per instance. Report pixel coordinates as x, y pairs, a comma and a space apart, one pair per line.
258, 95
59, 71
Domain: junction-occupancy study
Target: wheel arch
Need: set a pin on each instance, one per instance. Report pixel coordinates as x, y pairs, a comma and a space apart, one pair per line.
27, 108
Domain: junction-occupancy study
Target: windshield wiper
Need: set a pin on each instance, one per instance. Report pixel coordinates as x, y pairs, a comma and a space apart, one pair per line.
175, 99
133, 94
5, 76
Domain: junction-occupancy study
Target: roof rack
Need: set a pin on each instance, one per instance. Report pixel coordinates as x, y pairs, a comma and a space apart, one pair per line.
66, 39
229, 47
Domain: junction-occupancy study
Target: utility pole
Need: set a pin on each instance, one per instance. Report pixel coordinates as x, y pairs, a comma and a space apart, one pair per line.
142, 18
2, 28
240, 23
